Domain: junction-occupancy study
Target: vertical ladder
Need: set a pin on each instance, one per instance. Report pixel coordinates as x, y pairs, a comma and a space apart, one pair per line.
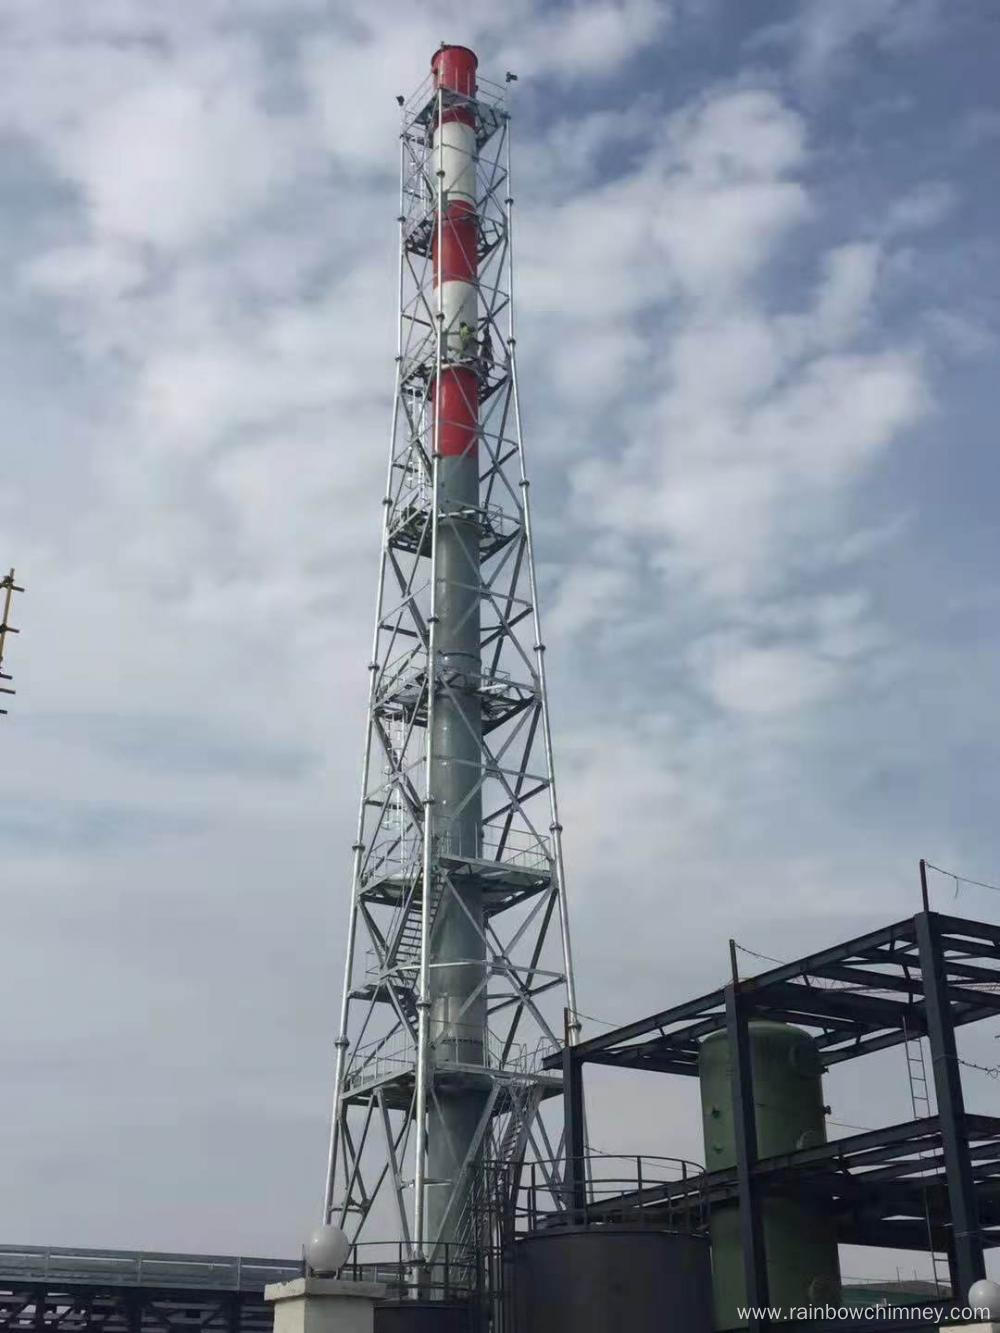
920, 1100
916, 1070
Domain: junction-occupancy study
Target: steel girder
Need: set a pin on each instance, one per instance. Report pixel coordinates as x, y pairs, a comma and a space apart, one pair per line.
858, 997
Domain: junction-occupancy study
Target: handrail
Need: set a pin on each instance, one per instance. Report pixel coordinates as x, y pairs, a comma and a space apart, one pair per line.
616, 1190
143, 1268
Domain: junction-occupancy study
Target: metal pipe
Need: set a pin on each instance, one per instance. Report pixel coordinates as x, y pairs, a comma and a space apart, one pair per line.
456, 951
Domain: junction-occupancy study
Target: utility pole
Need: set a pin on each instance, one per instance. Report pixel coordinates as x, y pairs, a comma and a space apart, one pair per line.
8, 587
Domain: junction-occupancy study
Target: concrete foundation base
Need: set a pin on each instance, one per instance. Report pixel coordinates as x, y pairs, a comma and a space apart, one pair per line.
324, 1305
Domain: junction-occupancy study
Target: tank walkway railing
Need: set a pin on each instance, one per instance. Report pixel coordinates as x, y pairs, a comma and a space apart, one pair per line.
457, 1272
616, 1189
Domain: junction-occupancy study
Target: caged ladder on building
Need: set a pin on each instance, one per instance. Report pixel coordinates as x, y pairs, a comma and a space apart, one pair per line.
459, 967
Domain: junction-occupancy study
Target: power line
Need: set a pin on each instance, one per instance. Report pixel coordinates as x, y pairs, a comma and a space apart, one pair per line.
962, 879
992, 1070
821, 983
764, 957
606, 1022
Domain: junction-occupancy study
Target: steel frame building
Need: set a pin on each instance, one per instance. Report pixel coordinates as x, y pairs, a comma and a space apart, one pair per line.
935, 1178
459, 967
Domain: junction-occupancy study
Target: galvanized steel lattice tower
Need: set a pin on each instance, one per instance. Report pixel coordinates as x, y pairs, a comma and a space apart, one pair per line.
459, 966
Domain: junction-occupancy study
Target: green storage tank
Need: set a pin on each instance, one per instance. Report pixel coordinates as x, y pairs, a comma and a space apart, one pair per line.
803, 1265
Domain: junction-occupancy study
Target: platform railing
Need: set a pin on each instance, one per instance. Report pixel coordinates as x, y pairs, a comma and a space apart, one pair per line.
617, 1191
457, 1273
388, 1057
398, 854
137, 1268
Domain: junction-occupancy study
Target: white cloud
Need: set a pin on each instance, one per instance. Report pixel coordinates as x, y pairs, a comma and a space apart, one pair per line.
89, 272
354, 76
968, 336
796, 653
587, 596
926, 206
588, 38
737, 438
180, 159
759, 423
845, 296
980, 125
747, 679
823, 37
166, 145
737, 137
699, 216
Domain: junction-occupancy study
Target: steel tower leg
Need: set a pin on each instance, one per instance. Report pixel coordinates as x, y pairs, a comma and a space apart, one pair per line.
459, 959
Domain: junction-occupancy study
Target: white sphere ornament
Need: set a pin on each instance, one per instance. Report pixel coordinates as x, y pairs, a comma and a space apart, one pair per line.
327, 1250
985, 1295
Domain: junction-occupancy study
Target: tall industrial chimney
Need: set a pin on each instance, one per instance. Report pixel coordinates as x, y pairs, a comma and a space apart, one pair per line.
459, 969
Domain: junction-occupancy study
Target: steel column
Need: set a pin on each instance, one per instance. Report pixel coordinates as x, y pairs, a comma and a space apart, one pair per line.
967, 1265
576, 1148
745, 1134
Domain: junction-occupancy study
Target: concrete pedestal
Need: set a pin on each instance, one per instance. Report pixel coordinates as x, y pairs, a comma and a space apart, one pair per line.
324, 1305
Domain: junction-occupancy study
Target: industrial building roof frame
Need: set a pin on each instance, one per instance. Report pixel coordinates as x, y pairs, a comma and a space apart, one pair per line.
929, 974
856, 997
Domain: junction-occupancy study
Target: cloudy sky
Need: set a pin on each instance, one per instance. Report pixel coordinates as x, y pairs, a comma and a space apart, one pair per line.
759, 332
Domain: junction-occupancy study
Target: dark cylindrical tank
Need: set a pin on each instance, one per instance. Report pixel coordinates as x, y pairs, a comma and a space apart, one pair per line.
596, 1279
425, 1317
803, 1266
